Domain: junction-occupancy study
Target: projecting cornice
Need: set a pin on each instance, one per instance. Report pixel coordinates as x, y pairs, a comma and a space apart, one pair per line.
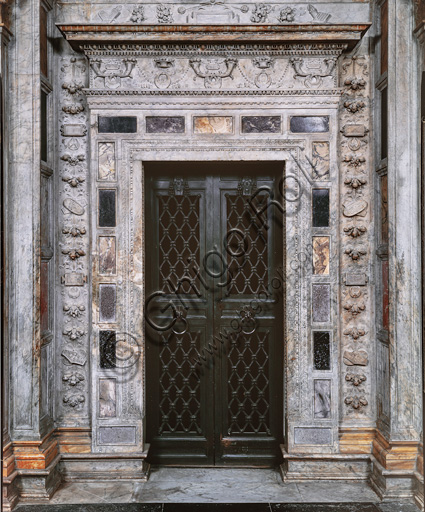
78, 35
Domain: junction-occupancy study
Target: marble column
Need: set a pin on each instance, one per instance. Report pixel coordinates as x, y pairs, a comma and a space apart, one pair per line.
395, 452
35, 449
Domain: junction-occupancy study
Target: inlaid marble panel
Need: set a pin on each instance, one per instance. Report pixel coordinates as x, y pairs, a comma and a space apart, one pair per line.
213, 124
321, 350
321, 255
107, 398
320, 206
117, 124
321, 161
106, 163
107, 349
107, 302
165, 124
321, 302
107, 205
107, 255
261, 124
309, 124
322, 398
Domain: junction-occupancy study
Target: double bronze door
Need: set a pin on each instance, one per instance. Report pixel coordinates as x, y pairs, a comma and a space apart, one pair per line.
213, 313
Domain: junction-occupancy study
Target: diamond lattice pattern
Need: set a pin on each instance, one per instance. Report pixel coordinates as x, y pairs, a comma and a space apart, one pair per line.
180, 390
250, 271
248, 384
179, 244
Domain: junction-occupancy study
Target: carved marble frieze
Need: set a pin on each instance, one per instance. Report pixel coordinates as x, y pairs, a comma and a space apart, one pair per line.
216, 12
212, 68
73, 222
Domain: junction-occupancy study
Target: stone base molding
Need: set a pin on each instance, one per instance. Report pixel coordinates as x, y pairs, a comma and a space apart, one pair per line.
36, 465
10, 490
394, 468
333, 466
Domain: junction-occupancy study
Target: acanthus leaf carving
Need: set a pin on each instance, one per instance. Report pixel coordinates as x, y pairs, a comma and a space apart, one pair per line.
355, 332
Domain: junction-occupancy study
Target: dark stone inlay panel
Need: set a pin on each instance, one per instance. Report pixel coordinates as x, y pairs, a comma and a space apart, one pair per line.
107, 344
261, 124
164, 124
117, 124
107, 205
321, 350
107, 302
321, 302
309, 124
320, 207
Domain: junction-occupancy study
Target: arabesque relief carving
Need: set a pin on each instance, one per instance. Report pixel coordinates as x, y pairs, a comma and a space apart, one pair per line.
356, 192
73, 222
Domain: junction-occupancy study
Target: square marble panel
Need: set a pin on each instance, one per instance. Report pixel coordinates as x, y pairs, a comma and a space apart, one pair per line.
213, 124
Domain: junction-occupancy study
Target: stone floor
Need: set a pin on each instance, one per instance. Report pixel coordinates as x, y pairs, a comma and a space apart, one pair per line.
173, 489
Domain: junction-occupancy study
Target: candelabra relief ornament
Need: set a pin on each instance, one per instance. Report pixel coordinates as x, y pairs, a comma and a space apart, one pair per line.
213, 71
313, 70
112, 71
73, 216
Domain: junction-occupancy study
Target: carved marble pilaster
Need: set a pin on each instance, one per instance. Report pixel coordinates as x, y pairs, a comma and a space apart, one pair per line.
356, 249
73, 307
